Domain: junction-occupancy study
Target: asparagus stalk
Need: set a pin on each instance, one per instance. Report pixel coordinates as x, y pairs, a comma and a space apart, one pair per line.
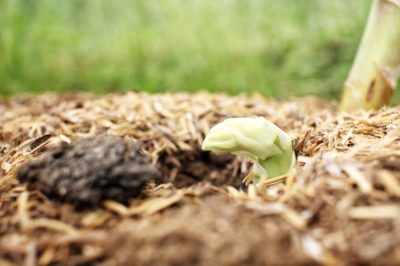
375, 71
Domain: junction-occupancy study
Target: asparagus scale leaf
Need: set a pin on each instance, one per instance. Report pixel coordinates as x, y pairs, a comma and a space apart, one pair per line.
265, 144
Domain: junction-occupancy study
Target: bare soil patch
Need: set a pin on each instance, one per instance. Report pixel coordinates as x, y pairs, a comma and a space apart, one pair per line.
342, 206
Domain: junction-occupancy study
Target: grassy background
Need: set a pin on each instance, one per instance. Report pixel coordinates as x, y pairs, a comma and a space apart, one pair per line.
278, 47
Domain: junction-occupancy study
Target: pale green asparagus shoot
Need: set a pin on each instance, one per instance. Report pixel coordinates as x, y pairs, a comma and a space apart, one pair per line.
265, 144
376, 68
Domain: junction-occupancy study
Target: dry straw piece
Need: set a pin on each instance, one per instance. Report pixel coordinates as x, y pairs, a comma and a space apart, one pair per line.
340, 206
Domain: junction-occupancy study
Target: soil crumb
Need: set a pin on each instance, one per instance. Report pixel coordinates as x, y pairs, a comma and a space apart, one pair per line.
89, 171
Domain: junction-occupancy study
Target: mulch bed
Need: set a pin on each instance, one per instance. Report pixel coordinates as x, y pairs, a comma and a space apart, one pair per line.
341, 206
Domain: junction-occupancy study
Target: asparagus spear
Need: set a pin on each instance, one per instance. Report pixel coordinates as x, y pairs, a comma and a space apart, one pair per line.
375, 71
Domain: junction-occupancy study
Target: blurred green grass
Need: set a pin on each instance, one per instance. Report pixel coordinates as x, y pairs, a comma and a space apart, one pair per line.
280, 48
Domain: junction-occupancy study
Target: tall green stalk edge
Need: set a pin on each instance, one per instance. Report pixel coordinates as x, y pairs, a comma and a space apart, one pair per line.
375, 70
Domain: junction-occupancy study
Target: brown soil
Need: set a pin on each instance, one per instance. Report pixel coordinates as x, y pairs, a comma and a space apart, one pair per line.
342, 206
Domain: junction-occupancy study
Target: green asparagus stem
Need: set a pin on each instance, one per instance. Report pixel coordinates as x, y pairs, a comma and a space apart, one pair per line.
375, 71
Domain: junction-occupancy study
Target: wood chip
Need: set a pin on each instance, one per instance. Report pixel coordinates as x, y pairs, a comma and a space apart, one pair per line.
375, 212
359, 178
154, 205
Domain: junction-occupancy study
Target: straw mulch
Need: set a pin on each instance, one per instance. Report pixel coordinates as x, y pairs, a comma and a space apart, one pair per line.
341, 206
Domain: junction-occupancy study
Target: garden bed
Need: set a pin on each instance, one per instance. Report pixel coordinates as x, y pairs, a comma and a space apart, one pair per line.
342, 205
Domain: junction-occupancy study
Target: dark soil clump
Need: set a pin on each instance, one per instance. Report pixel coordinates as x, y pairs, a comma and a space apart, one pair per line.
91, 170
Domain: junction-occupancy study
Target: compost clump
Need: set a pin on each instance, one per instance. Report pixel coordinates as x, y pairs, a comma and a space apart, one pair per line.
91, 170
